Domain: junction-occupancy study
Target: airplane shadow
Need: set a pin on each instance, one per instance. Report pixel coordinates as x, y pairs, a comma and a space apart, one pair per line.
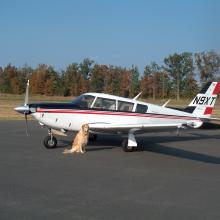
154, 144
208, 125
180, 153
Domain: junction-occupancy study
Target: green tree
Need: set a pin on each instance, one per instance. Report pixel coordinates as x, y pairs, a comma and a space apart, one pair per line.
116, 81
97, 81
179, 66
85, 67
134, 88
70, 79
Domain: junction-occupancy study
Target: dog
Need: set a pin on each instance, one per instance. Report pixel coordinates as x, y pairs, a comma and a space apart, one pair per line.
80, 141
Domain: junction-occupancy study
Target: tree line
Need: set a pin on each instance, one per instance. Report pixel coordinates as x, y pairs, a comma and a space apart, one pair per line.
180, 75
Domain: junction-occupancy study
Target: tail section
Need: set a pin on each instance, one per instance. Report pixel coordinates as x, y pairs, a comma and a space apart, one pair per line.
202, 105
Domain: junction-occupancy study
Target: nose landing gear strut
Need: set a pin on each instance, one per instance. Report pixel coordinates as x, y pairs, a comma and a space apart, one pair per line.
50, 141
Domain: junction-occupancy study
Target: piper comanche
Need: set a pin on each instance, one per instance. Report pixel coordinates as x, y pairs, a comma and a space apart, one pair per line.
113, 114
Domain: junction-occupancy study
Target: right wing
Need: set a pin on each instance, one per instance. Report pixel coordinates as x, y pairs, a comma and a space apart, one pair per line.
125, 128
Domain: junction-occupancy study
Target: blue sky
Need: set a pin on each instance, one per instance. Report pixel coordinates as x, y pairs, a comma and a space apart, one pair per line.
117, 32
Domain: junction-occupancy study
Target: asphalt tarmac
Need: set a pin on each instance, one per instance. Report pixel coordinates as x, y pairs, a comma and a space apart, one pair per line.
174, 177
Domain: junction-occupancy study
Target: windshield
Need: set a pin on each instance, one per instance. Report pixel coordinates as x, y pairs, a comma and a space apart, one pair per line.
84, 101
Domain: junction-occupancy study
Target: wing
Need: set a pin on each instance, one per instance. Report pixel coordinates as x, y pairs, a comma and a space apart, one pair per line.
125, 128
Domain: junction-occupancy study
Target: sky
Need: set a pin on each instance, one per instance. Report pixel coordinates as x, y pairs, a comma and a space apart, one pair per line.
117, 32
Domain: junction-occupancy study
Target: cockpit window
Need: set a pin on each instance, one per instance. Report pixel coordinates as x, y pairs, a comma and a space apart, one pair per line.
141, 108
84, 101
125, 106
103, 103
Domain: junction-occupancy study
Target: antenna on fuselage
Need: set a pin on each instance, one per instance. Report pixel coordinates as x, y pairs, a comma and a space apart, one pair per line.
137, 96
164, 105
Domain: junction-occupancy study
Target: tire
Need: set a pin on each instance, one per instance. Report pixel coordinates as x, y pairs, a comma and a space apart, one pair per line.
138, 148
93, 137
50, 144
125, 147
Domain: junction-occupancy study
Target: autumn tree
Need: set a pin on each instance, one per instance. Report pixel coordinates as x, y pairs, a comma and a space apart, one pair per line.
125, 82
44, 80
155, 81
208, 65
97, 80
146, 83
152, 71
12, 80
24, 74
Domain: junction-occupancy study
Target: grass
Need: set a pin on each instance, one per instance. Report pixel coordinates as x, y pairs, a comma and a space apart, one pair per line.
8, 102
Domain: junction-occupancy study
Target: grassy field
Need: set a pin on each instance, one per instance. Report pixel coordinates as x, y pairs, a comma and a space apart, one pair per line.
8, 102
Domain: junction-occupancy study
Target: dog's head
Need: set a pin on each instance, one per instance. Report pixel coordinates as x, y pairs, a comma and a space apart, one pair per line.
85, 129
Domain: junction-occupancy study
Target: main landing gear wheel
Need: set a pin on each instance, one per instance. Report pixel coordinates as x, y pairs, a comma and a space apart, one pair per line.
50, 142
93, 137
125, 146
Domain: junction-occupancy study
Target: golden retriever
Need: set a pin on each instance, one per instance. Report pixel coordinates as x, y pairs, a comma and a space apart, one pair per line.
80, 141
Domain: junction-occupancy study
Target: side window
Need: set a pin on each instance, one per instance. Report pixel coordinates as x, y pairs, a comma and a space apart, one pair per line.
125, 106
141, 108
102, 103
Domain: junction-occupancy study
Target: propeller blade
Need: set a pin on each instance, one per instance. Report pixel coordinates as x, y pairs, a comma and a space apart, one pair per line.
26, 94
26, 124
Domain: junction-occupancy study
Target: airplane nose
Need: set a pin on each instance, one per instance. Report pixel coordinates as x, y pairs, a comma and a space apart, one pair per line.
22, 109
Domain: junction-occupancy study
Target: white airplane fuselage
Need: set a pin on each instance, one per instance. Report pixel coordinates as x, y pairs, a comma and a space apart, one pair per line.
73, 119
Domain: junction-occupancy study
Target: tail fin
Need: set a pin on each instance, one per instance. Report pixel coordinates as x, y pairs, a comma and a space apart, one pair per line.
202, 105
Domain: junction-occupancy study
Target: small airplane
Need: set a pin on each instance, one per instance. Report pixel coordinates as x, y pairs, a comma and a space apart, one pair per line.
113, 114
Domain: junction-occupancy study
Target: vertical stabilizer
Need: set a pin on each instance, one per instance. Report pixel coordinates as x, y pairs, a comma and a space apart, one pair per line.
202, 105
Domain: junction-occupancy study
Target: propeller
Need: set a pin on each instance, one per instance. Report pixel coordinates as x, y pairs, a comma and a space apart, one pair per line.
26, 93
26, 124
25, 104
25, 108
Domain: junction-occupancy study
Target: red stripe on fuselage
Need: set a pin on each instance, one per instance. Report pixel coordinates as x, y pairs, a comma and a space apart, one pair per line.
148, 115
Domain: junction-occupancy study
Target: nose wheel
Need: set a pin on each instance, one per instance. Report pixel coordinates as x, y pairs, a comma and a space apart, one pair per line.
50, 141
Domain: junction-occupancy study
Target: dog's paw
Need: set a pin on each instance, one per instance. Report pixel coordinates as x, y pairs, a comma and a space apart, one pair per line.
66, 151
